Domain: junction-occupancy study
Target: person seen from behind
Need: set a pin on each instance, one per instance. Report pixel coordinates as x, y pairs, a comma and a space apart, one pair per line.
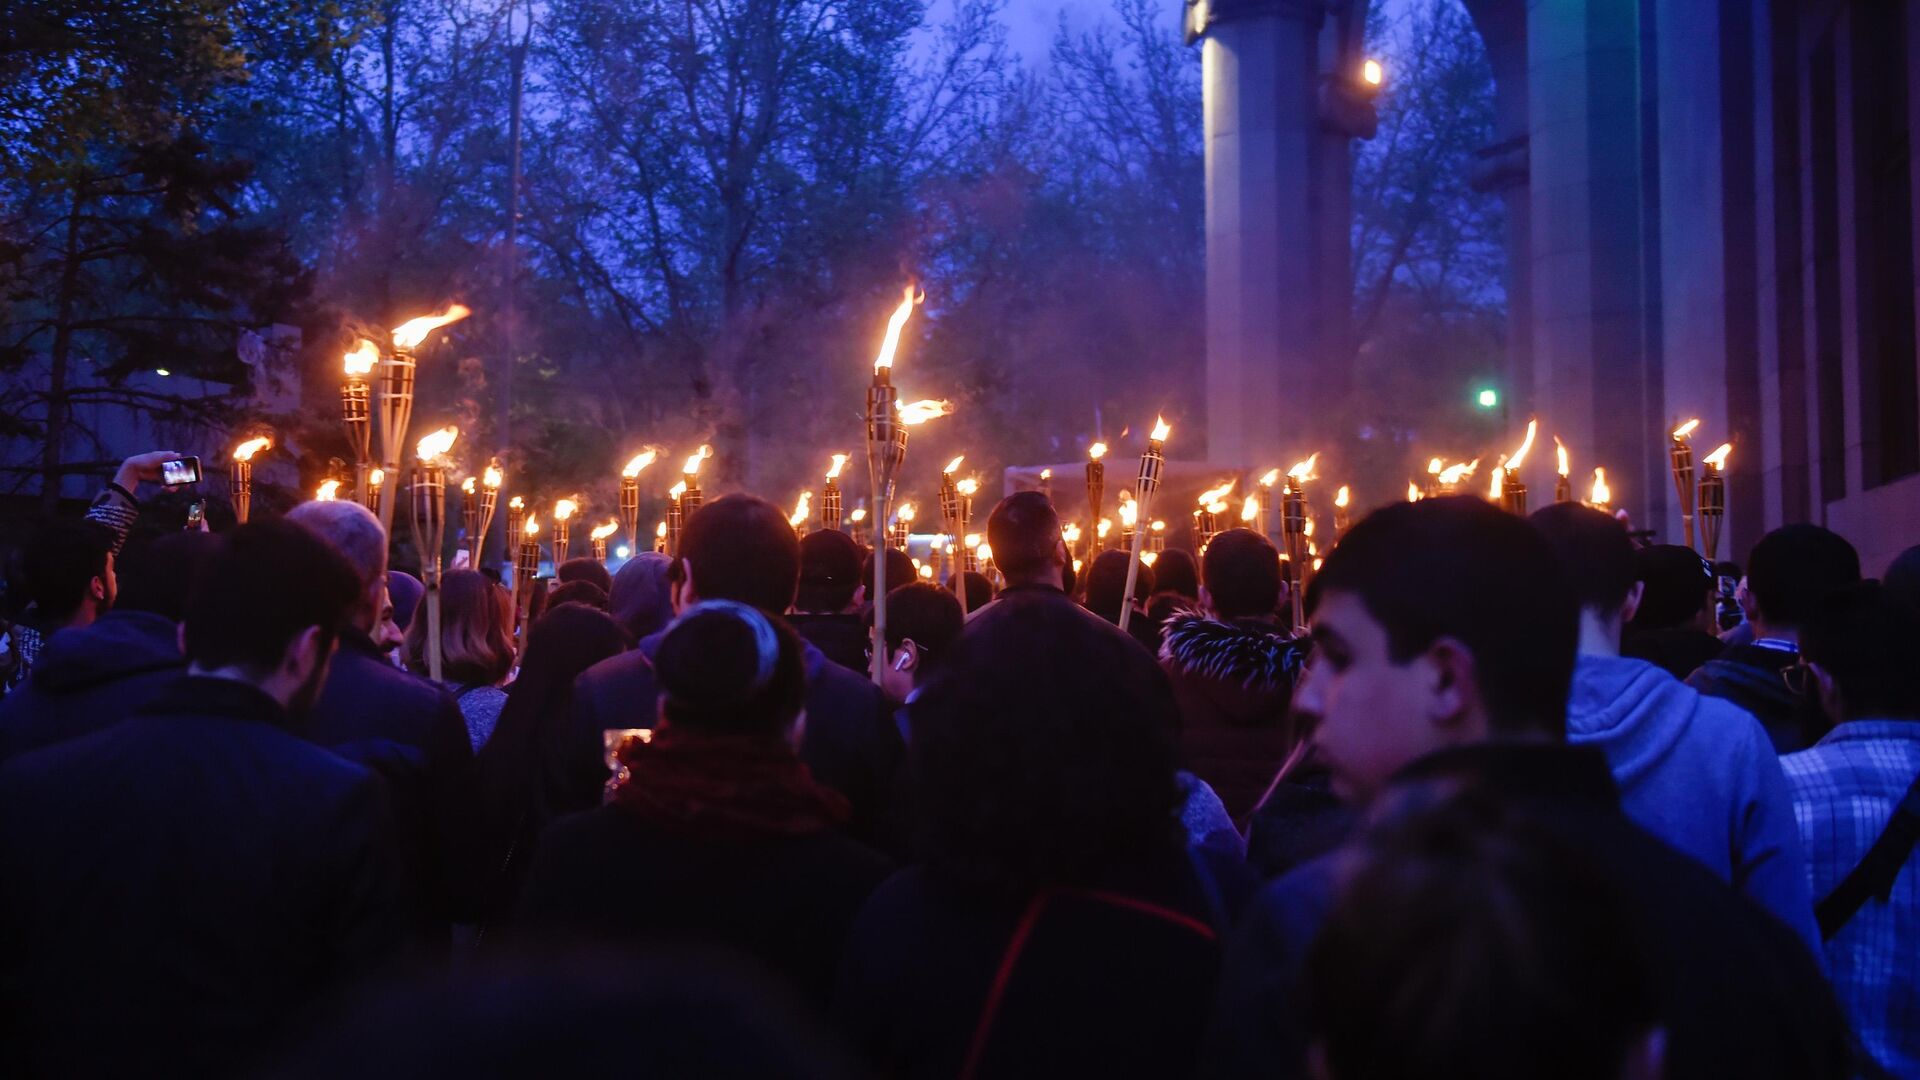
476, 648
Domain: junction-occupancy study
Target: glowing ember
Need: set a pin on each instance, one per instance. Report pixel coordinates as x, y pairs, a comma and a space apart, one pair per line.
1096, 451
954, 465
692, 467
1718, 459
361, 359
437, 444
802, 510
329, 491
839, 462
1686, 429
640, 461
414, 331
601, 532
565, 509
246, 450
919, 412
1045, 475
1161, 429
1250, 509
895, 323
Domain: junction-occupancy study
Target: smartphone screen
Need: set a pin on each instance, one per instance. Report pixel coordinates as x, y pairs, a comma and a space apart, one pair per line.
180, 471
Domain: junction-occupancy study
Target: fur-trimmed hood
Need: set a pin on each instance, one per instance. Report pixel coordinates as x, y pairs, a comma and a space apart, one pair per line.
1252, 656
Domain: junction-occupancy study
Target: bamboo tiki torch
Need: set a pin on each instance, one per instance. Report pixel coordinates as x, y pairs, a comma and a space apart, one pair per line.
1680, 452
516, 517
1267, 508
1293, 524
857, 521
376, 485
490, 482
832, 505
1046, 483
1096, 491
902, 526
1713, 500
354, 412
886, 449
396, 392
660, 537
598, 539
1563, 469
692, 497
950, 511
1129, 512
469, 511
1152, 460
1157, 539
240, 476
526, 566
563, 511
430, 529
1602, 496
1513, 490
630, 495
676, 517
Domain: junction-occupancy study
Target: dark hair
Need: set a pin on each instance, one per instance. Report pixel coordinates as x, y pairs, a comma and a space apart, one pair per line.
1023, 531
1793, 566
476, 631
1107, 582
1594, 552
900, 570
578, 591
1043, 749
741, 548
1676, 582
1868, 640
1175, 571
925, 612
60, 562
728, 668
156, 573
979, 589
642, 595
1902, 578
1457, 567
588, 570
524, 766
1242, 573
830, 562
1467, 941
269, 582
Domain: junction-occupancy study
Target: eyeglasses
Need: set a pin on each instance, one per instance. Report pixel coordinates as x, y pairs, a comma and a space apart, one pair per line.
1798, 676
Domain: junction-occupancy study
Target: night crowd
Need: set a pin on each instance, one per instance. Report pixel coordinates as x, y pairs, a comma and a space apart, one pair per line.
1532, 797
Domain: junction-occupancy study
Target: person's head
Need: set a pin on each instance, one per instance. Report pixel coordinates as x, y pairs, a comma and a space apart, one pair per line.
1043, 749
1024, 532
642, 594
1468, 941
979, 590
1595, 556
589, 570
738, 547
156, 573
67, 572
1860, 644
266, 608
1242, 575
923, 620
1792, 568
1107, 583
726, 668
578, 592
476, 632
1435, 623
1902, 578
1676, 589
355, 534
404, 593
560, 645
900, 569
1175, 571
829, 573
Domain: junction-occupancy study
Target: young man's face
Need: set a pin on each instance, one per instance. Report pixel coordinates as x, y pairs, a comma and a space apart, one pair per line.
1371, 715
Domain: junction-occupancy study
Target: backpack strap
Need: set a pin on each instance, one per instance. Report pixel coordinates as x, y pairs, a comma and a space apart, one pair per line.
1876, 871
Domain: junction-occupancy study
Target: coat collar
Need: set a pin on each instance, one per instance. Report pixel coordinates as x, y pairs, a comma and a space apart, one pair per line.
1534, 771
227, 699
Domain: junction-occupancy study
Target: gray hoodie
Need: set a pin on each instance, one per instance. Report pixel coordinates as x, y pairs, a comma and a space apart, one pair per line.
1699, 773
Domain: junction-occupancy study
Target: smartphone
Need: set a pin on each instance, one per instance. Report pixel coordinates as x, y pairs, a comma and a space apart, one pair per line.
180, 471
196, 513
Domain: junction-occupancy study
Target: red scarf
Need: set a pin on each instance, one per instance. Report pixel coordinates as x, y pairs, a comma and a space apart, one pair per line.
727, 786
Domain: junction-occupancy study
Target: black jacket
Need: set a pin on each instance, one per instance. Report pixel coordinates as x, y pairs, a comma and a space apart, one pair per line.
851, 743
1743, 994
1234, 683
410, 732
786, 901
1679, 650
1751, 677
842, 637
182, 888
90, 678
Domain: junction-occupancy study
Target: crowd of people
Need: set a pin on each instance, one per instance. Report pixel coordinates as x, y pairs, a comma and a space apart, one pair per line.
1524, 799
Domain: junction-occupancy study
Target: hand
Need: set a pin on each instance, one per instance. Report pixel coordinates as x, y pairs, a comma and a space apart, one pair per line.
143, 467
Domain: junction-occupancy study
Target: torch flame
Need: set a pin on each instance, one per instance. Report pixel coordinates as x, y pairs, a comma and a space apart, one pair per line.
1718, 459
1104, 527
517, 503
802, 510
1686, 429
1498, 483
467, 485
377, 477
1434, 467
1213, 495
1272, 477
660, 531
968, 487
1159, 526
954, 465
677, 490
1560, 452
640, 461
437, 444
601, 532
1341, 497
1453, 474
925, 572
839, 462
919, 412
1413, 491
1602, 494
329, 491
1526, 447
414, 331
972, 540
532, 527
362, 357
565, 509
1303, 471
1307, 530
692, 467
895, 323
1096, 451
1250, 510
246, 450
1129, 513
1046, 474
1161, 429
1071, 534
493, 476
906, 512
859, 515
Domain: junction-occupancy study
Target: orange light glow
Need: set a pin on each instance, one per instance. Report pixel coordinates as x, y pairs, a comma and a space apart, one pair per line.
1718, 459
246, 450
1303, 471
377, 477
905, 513
1602, 494
1250, 509
532, 527
601, 532
361, 358
565, 509
1564, 465
436, 444
919, 412
1271, 477
1341, 497
895, 323
1434, 467
1413, 492
692, 467
467, 485
414, 331
517, 503
1686, 429
954, 465
859, 515
1096, 451
802, 510
1161, 429
678, 489
1520, 456
1453, 474
640, 461
1214, 494
839, 462
493, 476
329, 491
968, 487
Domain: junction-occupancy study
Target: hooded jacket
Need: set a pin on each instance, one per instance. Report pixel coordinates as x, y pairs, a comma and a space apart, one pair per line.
1749, 676
91, 678
1699, 773
1233, 682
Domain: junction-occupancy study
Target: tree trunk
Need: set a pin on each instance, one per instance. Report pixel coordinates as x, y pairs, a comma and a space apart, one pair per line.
51, 470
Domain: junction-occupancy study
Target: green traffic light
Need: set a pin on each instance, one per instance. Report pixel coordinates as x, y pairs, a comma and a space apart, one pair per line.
1489, 398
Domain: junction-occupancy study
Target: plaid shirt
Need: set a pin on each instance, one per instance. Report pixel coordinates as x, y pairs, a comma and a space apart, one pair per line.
1844, 790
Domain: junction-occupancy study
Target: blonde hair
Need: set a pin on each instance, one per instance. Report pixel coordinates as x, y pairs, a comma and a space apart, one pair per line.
351, 530
476, 619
